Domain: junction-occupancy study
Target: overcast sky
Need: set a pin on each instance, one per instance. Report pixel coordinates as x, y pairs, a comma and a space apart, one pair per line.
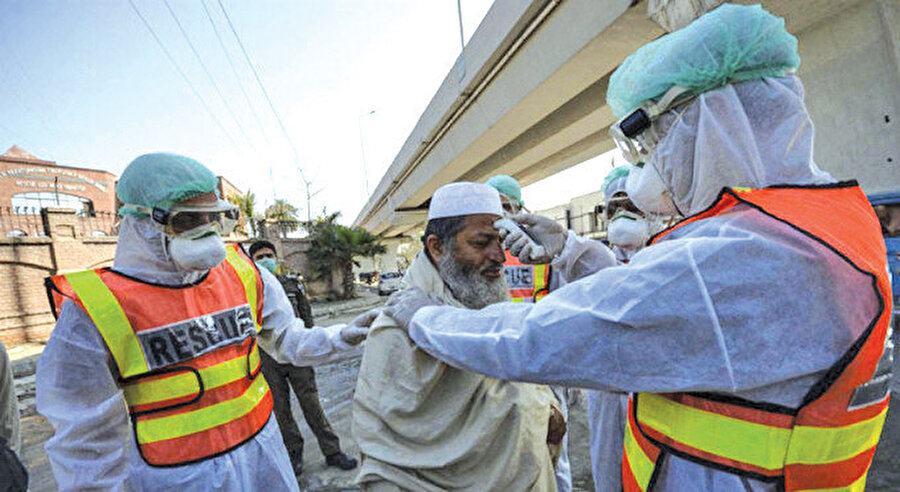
86, 84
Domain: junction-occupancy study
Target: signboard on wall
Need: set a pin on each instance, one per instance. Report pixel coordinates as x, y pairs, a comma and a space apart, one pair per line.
53, 178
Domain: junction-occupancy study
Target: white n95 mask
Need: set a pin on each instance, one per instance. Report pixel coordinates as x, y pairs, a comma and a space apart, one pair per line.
628, 230
194, 255
647, 191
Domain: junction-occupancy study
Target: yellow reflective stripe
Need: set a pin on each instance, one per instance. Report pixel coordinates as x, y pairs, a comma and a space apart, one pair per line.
185, 383
248, 277
640, 464
747, 442
110, 320
516, 299
540, 273
821, 445
182, 424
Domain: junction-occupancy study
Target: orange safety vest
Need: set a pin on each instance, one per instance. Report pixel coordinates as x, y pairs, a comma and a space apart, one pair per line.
827, 442
527, 283
186, 356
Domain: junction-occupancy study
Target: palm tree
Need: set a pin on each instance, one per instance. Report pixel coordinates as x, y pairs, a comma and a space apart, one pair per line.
334, 246
246, 203
284, 215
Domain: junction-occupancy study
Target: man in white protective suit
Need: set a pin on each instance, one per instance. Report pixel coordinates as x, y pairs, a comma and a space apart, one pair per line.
424, 425
754, 334
627, 231
628, 228
151, 377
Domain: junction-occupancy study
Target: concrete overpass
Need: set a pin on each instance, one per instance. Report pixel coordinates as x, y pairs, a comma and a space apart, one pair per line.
527, 97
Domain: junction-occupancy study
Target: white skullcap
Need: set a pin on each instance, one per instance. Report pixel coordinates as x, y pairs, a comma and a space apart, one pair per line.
464, 198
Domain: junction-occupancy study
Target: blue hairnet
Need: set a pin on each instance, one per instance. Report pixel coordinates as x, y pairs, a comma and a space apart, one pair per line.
162, 180
508, 186
729, 44
617, 173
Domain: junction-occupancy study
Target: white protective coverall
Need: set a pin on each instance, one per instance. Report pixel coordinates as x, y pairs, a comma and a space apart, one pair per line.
94, 446
9, 404
738, 303
607, 410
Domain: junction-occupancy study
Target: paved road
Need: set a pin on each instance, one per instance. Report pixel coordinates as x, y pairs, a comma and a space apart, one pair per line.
336, 384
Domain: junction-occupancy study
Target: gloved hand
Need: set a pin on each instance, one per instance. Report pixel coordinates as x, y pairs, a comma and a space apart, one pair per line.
357, 330
514, 236
403, 305
543, 232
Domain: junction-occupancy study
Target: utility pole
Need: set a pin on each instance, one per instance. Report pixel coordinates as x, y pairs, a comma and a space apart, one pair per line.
362, 149
307, 186
462, 39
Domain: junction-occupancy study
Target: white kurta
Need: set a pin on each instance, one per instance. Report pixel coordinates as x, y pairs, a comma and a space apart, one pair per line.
424, 425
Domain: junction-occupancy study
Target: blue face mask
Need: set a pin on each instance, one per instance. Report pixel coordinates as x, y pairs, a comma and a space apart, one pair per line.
268, 263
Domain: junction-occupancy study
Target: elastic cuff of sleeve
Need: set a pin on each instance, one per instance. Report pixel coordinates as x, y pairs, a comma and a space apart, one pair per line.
336, 338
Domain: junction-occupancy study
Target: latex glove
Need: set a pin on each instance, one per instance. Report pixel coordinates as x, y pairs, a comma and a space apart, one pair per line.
515, 240
545, 233
357, 330
404, 304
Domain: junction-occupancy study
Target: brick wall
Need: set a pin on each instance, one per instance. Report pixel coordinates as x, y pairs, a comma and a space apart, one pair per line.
67, 245
25, 262
292, 253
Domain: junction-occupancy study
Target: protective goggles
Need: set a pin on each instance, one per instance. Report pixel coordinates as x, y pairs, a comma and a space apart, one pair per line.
192, 222
636, 134
619, 206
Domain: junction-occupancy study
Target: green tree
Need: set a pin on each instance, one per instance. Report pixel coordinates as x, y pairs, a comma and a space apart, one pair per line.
284, 215
246, 203
334, 246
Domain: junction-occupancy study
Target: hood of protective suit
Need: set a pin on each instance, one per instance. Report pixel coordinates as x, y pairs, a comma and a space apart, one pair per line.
142, 253
749, 134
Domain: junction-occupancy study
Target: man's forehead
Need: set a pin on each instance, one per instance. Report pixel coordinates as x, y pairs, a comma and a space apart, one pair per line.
209, 198
480, 223
264, 250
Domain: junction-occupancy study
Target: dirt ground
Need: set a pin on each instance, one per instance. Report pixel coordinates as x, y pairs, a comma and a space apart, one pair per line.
336, 384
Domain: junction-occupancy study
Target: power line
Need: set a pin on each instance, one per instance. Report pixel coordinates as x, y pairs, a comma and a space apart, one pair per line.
183, 75
262, 87
234, 71
209, 75
250, 104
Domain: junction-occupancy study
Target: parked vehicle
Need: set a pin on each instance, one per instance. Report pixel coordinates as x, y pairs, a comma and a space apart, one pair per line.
887, 207
389, 282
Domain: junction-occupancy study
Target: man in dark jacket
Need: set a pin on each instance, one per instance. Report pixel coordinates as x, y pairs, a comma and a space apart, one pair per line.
302, 379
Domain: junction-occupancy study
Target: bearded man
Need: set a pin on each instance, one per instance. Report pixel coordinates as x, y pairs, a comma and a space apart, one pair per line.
424, 425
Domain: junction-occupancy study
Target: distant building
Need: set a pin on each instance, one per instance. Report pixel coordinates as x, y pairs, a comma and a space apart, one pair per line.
29, 184
227, 190
583, 215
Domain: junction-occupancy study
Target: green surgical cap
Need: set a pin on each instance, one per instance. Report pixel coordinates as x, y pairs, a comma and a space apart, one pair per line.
508, 186
620, 172
162, 180
729, 44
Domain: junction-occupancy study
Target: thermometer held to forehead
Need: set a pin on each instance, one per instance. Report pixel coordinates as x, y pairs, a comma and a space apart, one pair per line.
511, 232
